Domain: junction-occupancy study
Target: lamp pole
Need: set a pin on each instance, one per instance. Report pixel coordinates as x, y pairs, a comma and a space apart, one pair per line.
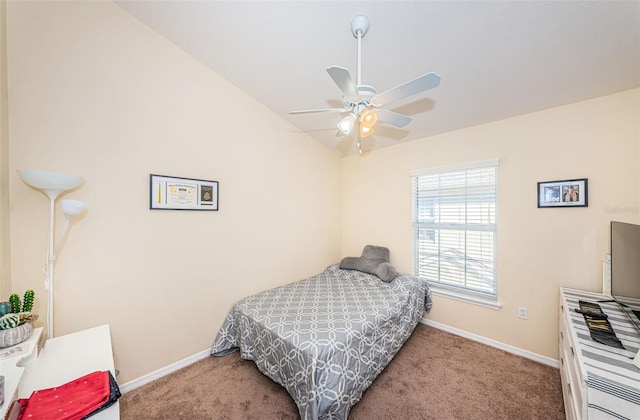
52, 184
50, 268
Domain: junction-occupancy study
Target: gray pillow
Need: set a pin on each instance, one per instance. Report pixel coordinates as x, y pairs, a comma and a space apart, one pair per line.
386, 272
349, 263
366, 265
374, 260
376, 253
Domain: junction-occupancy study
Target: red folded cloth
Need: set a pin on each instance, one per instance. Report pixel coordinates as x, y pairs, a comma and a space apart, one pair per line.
71, 401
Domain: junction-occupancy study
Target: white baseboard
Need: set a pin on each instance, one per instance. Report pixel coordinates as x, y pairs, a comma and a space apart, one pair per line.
157, 374
502, 346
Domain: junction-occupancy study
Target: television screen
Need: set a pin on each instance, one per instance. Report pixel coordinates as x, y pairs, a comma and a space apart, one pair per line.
625, 268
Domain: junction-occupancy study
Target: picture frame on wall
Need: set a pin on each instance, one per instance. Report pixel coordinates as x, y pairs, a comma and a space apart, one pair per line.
175, 193
567, 193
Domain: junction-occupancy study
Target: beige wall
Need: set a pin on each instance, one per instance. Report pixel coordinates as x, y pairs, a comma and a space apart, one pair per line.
94, 92
539, 250
5, 254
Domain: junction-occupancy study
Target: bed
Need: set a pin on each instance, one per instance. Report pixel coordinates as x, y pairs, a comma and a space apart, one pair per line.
325, 338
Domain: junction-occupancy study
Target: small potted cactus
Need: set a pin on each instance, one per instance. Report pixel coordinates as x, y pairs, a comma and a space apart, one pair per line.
16, 320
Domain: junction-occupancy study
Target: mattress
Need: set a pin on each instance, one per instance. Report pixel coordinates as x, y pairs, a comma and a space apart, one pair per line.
325, 338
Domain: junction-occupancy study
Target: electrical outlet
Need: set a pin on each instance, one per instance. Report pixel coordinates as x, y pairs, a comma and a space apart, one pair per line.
523, 313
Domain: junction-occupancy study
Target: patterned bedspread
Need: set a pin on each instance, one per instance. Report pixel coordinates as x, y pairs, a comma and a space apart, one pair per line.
326, 338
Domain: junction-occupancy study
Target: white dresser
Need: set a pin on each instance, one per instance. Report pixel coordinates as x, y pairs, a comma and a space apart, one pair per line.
598, 381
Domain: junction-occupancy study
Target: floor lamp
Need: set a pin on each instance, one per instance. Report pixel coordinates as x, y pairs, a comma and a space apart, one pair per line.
53, 184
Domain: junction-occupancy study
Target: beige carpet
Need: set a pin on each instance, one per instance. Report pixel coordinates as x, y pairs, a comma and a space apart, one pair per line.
436, 375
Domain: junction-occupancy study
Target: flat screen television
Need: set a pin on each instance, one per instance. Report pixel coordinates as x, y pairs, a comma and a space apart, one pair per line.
625, 268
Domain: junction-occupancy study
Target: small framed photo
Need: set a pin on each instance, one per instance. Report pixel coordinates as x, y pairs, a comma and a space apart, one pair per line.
568, 193
174, 193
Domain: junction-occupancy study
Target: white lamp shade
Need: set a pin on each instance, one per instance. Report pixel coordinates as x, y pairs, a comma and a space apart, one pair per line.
366, 131
346, 124
72, 208
368, 118
50, 183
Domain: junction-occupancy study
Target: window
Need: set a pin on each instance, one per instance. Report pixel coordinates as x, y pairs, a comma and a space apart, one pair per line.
454, 229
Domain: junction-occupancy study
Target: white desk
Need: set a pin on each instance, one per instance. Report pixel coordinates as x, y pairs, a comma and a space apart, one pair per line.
12, 371
68, 357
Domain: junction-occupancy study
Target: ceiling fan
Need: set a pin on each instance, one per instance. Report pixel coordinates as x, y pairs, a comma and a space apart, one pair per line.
362, 102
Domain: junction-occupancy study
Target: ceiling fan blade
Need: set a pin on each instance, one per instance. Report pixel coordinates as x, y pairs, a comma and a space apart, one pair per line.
422, 83
312, 111
343, 79
392, 118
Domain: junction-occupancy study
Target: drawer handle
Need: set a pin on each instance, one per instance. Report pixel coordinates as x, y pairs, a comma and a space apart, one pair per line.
572, 352
562, 308
561, 335
562, 361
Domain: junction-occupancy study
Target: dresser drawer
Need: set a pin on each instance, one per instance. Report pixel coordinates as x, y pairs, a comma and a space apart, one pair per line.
567, 391
573, 387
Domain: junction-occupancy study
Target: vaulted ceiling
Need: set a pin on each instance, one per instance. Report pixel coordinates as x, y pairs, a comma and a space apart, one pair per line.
497, 59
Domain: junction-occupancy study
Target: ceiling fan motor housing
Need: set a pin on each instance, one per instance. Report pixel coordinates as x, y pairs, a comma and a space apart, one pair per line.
366, 92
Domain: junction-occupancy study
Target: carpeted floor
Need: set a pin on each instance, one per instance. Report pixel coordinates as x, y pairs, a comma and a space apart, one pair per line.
436, 375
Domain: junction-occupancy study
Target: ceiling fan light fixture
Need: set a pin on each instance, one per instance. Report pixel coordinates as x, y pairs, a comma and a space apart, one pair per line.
346, 124
368, 118
366, 131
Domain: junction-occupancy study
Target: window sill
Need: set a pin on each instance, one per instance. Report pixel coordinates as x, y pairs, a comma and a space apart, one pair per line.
465, 298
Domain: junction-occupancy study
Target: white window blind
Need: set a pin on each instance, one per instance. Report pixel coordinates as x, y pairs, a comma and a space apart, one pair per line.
454, 221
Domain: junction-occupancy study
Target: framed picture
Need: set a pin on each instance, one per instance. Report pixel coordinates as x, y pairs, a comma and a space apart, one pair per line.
569, 193
174, 193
